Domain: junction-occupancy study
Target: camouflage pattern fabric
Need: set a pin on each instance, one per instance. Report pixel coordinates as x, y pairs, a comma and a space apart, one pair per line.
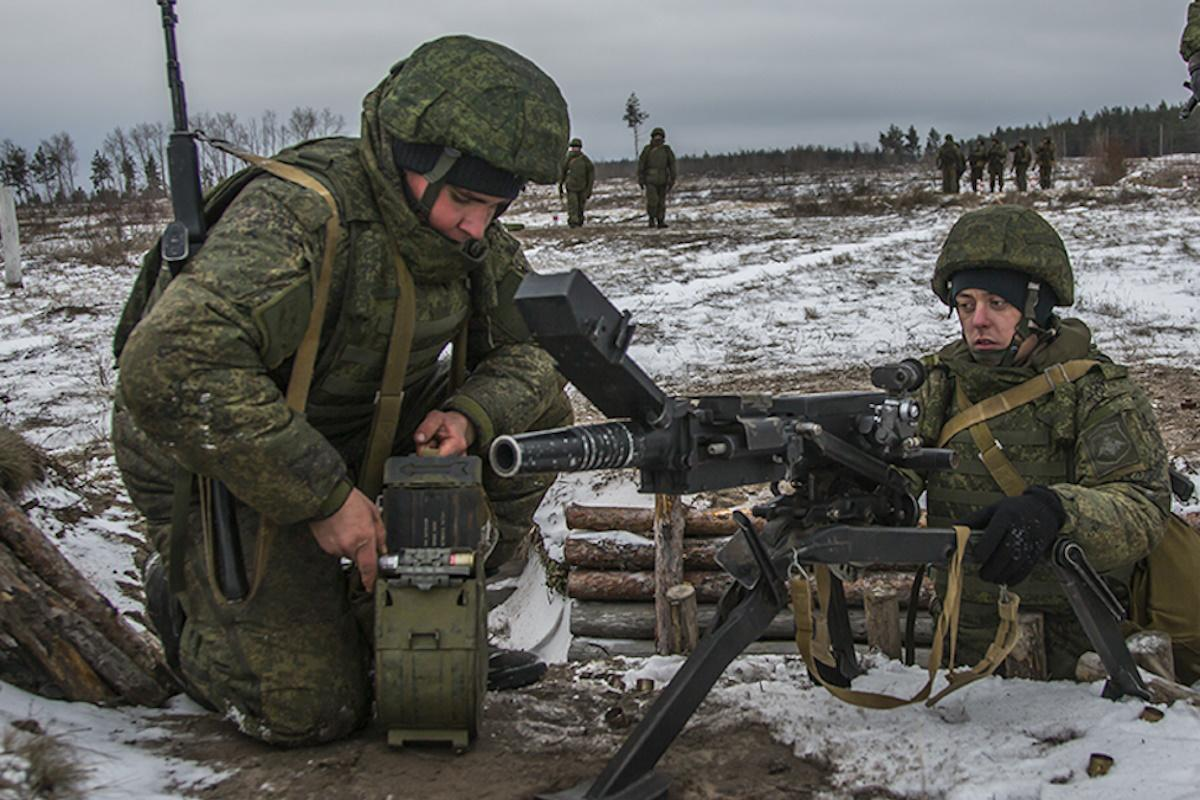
1189, 43
951, 162
977, 160
1045, 161
201, 385
1016, 237
997, 155
481, 98
1093, 442
577, 175
656, 172
1021, 158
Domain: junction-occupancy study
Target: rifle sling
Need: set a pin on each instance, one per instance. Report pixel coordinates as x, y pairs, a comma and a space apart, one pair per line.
812, 639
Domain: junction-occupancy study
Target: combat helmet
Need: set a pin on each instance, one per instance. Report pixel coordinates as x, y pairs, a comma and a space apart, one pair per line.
658, 132
1005, 237
473, 113
576, 142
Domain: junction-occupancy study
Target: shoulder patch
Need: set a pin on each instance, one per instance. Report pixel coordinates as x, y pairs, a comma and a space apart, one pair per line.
1110, 446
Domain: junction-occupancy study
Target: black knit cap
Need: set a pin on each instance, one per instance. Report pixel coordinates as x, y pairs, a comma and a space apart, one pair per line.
469, 172
1010, 284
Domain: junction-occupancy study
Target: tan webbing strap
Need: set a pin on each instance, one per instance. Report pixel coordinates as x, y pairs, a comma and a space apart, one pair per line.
991, 453
1007, 633
813, 644
1050, 379
386, 416
305, 359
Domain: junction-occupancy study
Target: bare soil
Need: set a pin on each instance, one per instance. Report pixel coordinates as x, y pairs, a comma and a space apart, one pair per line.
546, 738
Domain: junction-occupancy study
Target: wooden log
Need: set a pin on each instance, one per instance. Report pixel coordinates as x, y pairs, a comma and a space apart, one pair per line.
1028, 656
697, 522
591, 552
588, 649
1151, 650
882, 613
43, 592
1090, 668
590, 584
684, 626
586, 584
605, 620
668, 569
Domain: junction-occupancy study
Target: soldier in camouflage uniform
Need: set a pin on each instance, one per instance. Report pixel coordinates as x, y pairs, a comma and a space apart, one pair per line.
656, 174
577, 174
1021, 159
977, 159
1088, 454
951, 162
1045, 162
997, 155
1189, 46
449, 138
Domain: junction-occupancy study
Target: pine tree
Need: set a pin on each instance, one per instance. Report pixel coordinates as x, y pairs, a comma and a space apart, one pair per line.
634, 117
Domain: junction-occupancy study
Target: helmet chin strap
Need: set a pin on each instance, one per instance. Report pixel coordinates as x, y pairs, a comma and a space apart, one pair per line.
436, 181
1026, 328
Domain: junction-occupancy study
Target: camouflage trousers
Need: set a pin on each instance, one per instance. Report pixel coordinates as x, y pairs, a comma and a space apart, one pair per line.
996, 181
949, 180
1046, 176
576, 201
1022, 177
656, 202
290, 666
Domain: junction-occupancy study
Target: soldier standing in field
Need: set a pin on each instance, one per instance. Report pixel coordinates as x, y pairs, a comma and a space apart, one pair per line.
1189, 47
1045, 162
577, 175
1021, 159
656, 175
951, 162
386, 245
997, 155
977, 159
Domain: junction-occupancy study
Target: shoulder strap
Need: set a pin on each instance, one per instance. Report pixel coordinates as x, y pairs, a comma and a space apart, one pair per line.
1050, 379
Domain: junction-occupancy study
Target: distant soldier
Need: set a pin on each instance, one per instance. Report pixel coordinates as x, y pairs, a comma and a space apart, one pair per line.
1045, 162
1189, 48
577, 174
997, 155
656, 174
1021, 159
977, 159
951, 162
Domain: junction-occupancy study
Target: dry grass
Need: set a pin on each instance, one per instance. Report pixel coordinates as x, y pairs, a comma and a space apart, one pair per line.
21, 463
1108, 160
39, 766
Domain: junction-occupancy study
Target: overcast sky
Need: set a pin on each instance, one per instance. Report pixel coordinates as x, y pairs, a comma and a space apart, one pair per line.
719, 75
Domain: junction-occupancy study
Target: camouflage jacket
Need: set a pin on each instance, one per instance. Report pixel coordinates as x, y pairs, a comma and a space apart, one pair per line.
950, 156
1045, 153
1093, 442
577, 173
997, 155
656, 165
202, 374
977, 156
1021, 157
1189, 43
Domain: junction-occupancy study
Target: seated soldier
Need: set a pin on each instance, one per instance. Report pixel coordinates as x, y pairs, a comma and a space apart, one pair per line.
1083, 460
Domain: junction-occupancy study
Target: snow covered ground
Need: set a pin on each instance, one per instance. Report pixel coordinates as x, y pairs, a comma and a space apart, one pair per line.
739, 289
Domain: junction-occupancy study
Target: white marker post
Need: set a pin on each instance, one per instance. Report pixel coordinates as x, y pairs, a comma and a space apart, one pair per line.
10, 236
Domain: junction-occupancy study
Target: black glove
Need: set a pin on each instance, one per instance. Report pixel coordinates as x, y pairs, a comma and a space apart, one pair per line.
1017, 532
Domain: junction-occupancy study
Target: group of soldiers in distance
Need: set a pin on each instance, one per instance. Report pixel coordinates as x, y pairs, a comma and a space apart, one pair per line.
655, 175
994, 156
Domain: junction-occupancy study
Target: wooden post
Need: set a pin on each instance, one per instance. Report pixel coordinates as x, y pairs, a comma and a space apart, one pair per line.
685, 624
882, 607
11, 237
1028, 657
668, 566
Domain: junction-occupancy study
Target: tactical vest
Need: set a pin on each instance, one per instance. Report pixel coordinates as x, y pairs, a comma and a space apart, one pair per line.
362, 300
1038, 438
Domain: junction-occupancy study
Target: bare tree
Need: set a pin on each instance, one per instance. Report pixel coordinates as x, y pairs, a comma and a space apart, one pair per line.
147, 139
63, 148
329, 123
44, 170
634, 117
117, 149
302, 124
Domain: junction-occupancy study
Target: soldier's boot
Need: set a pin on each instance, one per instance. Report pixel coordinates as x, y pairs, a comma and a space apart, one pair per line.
164, 610
653, 223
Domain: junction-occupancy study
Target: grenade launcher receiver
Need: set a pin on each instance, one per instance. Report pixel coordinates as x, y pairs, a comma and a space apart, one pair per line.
830, 459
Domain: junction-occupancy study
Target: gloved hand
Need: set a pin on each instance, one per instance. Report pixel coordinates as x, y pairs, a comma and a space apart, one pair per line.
1017, 532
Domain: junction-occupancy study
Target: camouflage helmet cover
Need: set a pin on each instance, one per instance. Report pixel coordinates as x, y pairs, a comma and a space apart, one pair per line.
658, 132
1005, 237
482, 99
576, 143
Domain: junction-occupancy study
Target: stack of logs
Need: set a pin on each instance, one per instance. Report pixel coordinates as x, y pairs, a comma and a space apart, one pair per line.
611, 583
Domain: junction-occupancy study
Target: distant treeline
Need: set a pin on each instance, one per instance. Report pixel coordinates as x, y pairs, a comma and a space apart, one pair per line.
1136, 132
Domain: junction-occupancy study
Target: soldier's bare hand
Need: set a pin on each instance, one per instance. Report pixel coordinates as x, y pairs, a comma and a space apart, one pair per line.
448, 431
355, 531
